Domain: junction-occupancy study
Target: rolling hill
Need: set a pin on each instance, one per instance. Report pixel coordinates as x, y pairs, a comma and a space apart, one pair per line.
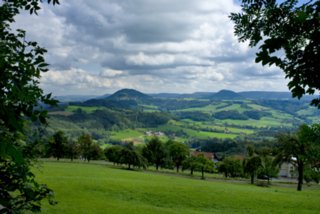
225, 95
129, 94
127, 115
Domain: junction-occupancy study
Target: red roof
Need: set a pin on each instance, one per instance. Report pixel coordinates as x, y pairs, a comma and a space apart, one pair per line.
208, 155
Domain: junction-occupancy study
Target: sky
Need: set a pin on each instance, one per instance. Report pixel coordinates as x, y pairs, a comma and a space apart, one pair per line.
178, 46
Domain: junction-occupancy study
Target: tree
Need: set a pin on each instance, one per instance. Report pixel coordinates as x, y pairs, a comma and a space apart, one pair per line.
95, 152
251, 167
301, 148
268, 168
252, 163
155, 152
129, 156
312, 174
203, 164
72, 149
198, 163
58, 144
190, 163
178, 153
113, 153
21, 65
85, 143
287, 33
230, 167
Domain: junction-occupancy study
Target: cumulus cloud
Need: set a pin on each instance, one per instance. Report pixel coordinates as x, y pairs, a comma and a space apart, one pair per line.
111, 73
98, 47
143, 59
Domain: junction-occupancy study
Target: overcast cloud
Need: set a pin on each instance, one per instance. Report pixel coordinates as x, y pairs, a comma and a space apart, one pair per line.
98, 47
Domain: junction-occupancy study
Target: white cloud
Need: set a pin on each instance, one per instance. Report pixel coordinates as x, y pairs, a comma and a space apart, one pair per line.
76, 78
143, 59
97, 47
111, 73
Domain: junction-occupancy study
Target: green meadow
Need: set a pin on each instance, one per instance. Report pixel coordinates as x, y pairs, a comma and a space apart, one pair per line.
101, 188
87, 109
195, 133
126, 134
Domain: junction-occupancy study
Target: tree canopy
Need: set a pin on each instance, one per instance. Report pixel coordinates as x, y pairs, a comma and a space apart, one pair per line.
155, 152
301, 148
21, 65
58, 144
178, 153
288, 36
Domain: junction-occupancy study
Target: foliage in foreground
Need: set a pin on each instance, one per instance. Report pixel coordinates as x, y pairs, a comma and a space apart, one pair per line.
21, 65
287, 33
302, 149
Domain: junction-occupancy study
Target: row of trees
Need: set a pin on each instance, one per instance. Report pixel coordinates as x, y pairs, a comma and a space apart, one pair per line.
160, 155
59, 146
301, 148
257, 164
155, 153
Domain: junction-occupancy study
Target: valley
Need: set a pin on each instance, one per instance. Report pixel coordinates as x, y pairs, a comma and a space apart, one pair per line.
128, 115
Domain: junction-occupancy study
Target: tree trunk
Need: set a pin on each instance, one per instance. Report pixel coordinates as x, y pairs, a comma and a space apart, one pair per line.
300, 175
202, 174
191, 171
252, 178
157, 167
177, 166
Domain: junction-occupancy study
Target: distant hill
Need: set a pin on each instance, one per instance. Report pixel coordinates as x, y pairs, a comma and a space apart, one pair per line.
74, 98
169, 95
196, 95
225, 95
268, 95
102, 96
272, 95
231, 95
128, 94
130, 98
124, 98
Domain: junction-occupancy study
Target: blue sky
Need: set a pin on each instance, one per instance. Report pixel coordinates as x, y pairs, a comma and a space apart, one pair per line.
98, 47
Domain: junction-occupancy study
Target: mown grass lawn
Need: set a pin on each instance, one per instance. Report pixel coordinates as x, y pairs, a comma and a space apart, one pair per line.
93, 188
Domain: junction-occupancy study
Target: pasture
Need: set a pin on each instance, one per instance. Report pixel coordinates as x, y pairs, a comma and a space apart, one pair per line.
87, 109
101, 188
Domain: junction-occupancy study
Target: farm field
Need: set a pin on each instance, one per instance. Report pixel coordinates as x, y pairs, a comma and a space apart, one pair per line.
99, 188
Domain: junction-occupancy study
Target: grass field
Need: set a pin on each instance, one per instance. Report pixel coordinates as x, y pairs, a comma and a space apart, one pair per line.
87, 109
128, 135
195, 133
97, 188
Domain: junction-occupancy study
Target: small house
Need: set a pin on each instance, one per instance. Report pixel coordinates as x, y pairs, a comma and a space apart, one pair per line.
208, 155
